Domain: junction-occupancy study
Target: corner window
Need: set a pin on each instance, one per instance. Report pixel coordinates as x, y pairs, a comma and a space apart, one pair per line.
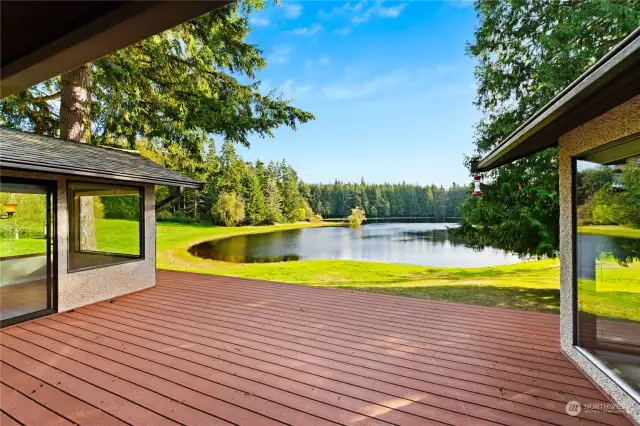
607, 257
105, 224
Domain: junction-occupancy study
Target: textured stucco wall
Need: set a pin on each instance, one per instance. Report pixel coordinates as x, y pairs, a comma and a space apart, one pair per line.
617, 123
84, 287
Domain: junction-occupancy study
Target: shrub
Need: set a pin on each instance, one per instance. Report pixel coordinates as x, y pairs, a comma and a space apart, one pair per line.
356, 217
164, 215
315, 218
229, 209
299, 214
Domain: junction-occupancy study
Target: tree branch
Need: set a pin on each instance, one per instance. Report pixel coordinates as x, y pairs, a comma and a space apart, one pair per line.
46, 98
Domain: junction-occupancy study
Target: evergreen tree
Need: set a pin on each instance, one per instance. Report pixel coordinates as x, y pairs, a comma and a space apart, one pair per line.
440, 201
231, 169
273, 201
254, 203
177, 88
526, 52
292, 200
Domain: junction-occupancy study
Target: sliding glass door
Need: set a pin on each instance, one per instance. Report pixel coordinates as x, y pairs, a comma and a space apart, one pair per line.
607, 259
27, 279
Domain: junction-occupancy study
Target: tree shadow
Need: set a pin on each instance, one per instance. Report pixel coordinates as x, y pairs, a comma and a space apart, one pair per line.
530, 299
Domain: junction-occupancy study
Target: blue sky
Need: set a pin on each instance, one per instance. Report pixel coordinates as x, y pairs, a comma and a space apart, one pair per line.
389, 83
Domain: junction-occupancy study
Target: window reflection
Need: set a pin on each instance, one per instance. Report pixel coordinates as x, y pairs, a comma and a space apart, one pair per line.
608, 260
105, 224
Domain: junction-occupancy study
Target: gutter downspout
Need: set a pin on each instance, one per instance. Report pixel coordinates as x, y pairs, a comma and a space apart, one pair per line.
177, 193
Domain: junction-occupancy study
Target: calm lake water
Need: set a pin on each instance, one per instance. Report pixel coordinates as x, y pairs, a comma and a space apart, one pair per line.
427, 244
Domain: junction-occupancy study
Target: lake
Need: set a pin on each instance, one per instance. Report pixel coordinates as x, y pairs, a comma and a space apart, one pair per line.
426, 244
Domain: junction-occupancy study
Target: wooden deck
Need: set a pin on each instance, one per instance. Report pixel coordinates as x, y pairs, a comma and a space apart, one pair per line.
206, 350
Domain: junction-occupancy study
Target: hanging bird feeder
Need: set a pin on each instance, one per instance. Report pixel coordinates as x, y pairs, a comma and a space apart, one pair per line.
477, 192
617, 185
9, 210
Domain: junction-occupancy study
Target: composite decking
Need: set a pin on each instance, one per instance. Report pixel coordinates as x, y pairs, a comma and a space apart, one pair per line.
207, 350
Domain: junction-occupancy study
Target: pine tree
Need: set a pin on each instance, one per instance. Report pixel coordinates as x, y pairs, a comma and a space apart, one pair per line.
273, 201
526, 52
255, 207
292, 201
177, 87
231, 169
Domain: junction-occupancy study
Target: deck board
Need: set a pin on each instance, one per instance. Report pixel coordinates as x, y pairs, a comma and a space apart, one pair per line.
202, 349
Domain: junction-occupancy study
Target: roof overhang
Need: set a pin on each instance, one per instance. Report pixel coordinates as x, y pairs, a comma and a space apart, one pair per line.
43, 39
98, 174
37, 153
611, 81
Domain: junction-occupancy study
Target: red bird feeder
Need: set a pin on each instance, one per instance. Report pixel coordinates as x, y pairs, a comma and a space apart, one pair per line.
477, 192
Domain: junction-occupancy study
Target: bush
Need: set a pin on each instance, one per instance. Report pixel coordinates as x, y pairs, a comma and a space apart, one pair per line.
356, 217
164, 215
177, 217
229, 209
299, 214
315, 218
118, 207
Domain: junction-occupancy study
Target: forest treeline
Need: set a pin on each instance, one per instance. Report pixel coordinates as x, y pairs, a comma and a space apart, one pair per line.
386, 200
239, 192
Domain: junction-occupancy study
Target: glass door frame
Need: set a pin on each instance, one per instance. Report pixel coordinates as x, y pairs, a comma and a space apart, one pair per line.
574, 284
52, 251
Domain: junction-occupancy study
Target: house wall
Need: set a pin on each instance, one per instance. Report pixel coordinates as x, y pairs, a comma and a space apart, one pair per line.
617, 123
81, 288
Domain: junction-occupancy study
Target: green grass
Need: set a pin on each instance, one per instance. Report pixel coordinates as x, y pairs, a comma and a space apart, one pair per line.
610, 230
112, 235
13, 247
117, 236
531, 285
173, 239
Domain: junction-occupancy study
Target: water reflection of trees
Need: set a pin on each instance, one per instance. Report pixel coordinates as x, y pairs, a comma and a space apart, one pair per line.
439, 236
247, 248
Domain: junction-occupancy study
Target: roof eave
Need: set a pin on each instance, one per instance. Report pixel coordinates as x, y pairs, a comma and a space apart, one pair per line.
132, 22
100, 175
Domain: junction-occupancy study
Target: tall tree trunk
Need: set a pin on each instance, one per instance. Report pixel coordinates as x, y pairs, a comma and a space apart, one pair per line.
75, 106
75, 125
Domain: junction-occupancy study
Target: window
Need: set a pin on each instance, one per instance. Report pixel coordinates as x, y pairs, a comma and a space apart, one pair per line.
106, 224
607, 258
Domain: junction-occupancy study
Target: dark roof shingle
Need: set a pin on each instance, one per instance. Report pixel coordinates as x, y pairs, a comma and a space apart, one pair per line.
29, 151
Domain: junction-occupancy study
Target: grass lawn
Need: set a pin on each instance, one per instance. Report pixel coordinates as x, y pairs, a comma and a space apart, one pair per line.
610, 230
531, 285
528, 286
112, 235
117, 236
13, 247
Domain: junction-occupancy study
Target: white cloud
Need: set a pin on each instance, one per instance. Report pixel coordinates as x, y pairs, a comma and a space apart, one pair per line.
292, 11
345, 9
280, 55
322, 60
343, 31
362, 12
358, 90
356, 87
391, 12
308, 31
259, 21
291, 90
